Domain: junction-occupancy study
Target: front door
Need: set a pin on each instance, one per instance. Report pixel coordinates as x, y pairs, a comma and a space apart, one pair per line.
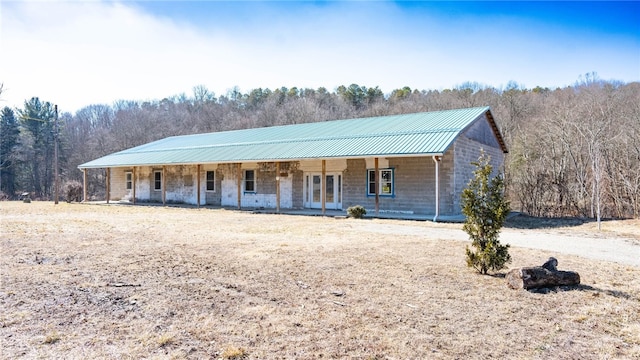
332, 193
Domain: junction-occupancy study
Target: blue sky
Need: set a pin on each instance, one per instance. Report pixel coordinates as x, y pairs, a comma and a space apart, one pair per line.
77, 53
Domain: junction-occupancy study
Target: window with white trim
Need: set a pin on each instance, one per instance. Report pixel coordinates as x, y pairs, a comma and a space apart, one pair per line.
249, 181
128, 178
211, 181
157, 180
385, 182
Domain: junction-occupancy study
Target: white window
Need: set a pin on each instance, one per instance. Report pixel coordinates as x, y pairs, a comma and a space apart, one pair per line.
211, 181
384, 185
157, 180
128, 176
249, 181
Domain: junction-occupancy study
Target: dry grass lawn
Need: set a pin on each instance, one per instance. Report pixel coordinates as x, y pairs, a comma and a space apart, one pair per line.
87, 282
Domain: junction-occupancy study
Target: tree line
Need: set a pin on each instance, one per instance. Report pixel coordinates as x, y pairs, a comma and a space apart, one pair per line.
573, 151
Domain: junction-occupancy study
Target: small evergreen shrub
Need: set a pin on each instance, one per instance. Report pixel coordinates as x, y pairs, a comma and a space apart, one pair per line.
486, 209
356, 211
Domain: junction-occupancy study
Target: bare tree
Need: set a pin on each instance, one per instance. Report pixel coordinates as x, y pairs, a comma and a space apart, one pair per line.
574, 151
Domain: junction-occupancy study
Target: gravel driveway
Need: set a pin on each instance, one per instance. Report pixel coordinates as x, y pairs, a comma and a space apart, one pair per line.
598, 246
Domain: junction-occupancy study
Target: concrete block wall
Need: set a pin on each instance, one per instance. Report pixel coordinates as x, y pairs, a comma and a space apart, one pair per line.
482, 132
144, 186
118, 190
414, 186
181, 184
297, 189
354, 184
265, 195
466, 151
211, 197
266, 181
446, 184
228, 185
118, 184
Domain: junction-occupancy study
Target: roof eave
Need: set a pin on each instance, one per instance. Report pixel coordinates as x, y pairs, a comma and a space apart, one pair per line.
83, 167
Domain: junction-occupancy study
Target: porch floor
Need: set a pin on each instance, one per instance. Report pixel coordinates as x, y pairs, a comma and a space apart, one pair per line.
301, 212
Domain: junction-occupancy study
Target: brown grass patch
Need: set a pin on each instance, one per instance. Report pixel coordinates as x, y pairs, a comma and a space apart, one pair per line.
153, 282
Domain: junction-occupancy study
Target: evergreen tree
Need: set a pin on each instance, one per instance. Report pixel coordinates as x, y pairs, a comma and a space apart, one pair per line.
37, 121
9, 132
485, 208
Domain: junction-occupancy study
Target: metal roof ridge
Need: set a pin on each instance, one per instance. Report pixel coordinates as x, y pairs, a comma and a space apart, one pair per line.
305, 139
485, 108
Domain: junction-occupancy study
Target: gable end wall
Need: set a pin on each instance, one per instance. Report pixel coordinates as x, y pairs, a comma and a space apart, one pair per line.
465, 151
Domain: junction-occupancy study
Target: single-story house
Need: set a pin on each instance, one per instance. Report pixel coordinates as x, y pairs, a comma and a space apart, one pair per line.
399, 164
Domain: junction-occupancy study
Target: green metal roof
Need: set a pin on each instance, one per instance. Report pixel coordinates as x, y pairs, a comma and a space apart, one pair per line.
429, 133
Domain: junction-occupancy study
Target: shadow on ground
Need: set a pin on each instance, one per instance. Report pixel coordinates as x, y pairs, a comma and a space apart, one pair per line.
582, 287
521, 221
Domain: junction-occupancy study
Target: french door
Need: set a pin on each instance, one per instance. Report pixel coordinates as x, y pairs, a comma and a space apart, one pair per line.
332, 191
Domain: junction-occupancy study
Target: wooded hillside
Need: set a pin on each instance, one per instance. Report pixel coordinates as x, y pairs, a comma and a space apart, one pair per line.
573, 151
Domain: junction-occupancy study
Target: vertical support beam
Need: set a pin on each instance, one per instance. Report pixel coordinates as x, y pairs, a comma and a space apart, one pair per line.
164, 188
323, 186
239, 186
198, 185
278, 186
108, 184
133, 184
377, 172
436, 159
84, 185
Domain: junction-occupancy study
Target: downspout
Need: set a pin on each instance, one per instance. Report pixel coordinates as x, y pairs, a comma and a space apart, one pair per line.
436, 159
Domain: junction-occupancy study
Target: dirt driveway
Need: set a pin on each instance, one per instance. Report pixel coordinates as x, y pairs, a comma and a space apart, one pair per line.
583, 241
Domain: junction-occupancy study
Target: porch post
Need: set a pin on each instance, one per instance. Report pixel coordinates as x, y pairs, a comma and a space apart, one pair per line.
436, 159
375, 161
133, 184
277, 186
164, 188
323, 186
84, 185
108, 184
239, 186
198, 185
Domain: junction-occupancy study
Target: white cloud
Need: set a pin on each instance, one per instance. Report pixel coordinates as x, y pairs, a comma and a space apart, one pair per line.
80, 53
77, 54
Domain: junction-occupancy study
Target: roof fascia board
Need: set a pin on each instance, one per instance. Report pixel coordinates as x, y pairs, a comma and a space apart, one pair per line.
266, 160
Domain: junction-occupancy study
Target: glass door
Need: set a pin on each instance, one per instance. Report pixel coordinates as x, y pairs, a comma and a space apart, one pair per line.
332, 194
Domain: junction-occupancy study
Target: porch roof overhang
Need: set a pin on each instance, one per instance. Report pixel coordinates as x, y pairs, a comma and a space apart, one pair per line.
421, 134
